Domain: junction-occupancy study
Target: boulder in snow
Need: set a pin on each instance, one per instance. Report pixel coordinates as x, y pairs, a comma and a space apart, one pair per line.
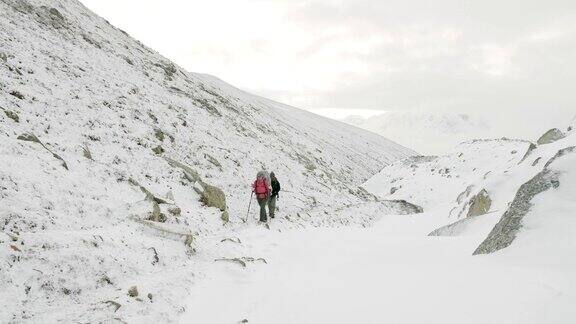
480, 204
551, 136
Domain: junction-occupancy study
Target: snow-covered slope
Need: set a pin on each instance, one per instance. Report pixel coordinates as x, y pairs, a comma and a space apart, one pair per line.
115, 162
425, 132
497, 190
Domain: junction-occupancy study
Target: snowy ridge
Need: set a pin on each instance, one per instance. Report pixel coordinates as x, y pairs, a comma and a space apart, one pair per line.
91, 204
492, 189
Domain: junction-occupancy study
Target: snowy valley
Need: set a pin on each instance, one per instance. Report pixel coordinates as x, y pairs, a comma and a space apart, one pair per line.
125, 184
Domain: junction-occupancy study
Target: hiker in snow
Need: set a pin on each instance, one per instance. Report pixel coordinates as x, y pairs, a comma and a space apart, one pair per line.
274, 196
262, 190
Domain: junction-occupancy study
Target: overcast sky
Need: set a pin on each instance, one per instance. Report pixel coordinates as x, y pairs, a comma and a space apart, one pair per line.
469, 55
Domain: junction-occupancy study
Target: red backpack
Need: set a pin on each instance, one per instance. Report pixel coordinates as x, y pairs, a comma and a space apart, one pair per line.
261, 187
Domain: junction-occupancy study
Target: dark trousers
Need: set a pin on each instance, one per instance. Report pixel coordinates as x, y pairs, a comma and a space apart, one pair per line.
263, 202
272, 206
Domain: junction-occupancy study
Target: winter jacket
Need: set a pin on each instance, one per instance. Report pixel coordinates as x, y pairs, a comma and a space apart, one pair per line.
275, 188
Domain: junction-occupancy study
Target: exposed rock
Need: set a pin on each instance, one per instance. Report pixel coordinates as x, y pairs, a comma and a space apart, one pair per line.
480, 204
159, 134
213, 160
149, 195
166, 232
157, 215
114, 304
243, 261
510, 224
531, 148
12, 115
551, 136
189, 173
175, 210
225, 217
168, 68
158, 150
393, 190
32, 138
133, 291
29, 138
91, 41
234, 240
464, 194
86, 153
213, 196
409, 208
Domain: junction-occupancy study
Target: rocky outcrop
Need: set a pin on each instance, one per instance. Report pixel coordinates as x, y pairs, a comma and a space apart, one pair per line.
551, 136
479, 204
210, 195
27, 137
508, 227
407, 207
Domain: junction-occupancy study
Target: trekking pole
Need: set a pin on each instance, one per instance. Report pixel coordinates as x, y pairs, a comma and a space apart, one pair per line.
249, 204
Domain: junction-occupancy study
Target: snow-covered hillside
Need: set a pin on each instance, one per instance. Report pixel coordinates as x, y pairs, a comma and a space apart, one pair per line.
508, 187
116, 167
425, 132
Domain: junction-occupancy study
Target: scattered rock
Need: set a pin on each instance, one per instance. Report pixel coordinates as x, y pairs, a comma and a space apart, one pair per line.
213, 196
32, 138
29, 138
234, 240
479, 204
156, 258
91, 41
86, 153
114, 304
133, 291
531, 148
243, 261
150, 297
213, 161
159, 134
551, 136
175, 210
12, 115
17, 95
158, 150
225, 217
393, 190
189, 173
407, 207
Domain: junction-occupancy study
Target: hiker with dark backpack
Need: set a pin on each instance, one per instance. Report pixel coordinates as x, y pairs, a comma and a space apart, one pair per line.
274, 196
262, 190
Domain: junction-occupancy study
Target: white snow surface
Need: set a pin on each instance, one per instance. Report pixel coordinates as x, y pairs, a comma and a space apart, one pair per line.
72, 239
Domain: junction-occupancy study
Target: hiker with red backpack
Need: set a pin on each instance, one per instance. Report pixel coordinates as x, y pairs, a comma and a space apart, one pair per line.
261, 187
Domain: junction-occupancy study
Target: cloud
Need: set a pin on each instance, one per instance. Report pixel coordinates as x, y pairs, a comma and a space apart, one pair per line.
488, 55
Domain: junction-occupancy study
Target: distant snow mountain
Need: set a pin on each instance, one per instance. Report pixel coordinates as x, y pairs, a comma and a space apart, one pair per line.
425, 132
